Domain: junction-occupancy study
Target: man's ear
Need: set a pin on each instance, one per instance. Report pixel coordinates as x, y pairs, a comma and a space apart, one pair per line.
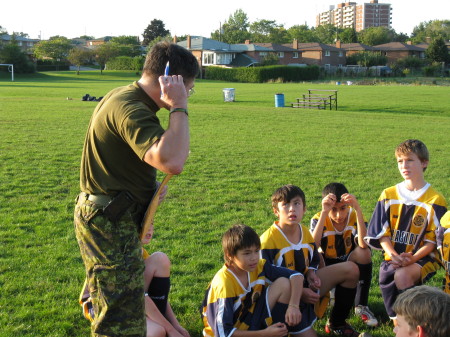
421, 332
425, 164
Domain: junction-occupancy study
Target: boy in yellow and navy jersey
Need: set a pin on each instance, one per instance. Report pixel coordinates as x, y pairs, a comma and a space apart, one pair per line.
403, 225
248, 294
443, 239
289, 244
339, 231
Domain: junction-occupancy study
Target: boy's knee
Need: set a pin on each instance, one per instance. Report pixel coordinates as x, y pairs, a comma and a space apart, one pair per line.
405, 278
351, 271
155, 330
361, 255
280, 290
161, 261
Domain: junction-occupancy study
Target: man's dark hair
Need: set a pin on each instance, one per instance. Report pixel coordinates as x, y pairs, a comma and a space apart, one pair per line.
337, 189
286, 193
181, 61
236, 238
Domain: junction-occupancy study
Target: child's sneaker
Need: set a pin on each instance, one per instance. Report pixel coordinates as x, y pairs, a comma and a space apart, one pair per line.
88, 309
344, 330
366, 315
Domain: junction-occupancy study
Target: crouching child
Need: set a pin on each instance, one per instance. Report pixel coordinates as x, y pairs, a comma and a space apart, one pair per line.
248, 296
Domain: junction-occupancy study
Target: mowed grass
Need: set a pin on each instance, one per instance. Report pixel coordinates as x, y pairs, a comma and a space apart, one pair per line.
240, 153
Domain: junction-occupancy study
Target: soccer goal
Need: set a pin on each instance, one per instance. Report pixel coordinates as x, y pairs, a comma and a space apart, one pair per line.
10, 69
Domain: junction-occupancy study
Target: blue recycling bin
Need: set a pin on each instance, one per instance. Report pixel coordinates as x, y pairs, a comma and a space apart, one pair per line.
279, 100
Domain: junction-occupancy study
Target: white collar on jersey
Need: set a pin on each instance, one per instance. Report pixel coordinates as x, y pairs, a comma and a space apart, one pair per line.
409, 195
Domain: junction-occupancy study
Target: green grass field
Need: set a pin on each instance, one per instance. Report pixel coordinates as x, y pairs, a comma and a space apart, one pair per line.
240, 153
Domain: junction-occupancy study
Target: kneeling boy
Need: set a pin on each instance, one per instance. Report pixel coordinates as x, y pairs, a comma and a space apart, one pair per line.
248, 294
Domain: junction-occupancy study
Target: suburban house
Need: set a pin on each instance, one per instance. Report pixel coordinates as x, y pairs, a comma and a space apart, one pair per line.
320, 54
210, 52
25, 44
398, 50
286, 55
353, 48
97, 42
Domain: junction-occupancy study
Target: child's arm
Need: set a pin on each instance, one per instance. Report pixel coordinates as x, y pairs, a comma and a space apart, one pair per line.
293, 314
410, 258
327, 204
351, 200
173, 320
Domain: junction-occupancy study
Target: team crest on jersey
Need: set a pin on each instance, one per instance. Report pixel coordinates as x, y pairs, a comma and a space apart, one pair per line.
419, 220
348, 241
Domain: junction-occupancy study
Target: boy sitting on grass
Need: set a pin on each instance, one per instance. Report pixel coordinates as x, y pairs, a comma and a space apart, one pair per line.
248, 296
289, 244
339, 230
403, 225
161, 320
422, 311
443, 242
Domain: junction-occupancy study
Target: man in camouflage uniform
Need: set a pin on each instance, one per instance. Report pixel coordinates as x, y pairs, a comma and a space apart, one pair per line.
124, 146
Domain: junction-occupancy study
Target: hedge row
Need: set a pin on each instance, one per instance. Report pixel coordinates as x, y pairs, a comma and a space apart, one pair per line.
263, 74
126, 63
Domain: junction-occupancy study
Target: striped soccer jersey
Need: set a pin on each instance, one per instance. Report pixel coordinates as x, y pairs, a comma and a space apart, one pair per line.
228, 305
277, 249
337, 244
444, 248
408, 219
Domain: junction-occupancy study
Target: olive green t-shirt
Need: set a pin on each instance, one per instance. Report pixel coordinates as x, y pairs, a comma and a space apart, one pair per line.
122, 128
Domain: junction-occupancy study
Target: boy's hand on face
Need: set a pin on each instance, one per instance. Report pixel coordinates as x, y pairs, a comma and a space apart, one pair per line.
276, 330
350, 200
328, 202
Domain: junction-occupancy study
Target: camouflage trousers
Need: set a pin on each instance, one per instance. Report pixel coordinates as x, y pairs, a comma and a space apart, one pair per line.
112, 255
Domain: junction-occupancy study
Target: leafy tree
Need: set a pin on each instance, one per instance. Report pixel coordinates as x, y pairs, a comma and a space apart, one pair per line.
373, 36
268, 31
57, 48
437, 50
105, 52
235, 30
366, 59
348, 35
79, 57
126, 39
154, 30
302, 33
270, 59
431, 29
402, 37
326, 34
12, 54
86, 37
3, 30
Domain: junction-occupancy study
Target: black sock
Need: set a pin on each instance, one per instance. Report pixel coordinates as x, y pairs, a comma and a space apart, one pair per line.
343, 303
158, 291
365, 279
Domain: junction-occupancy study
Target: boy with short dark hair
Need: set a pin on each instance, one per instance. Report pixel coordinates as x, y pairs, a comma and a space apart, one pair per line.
289, 244
403, 225
422, 311
339, 231
248, 296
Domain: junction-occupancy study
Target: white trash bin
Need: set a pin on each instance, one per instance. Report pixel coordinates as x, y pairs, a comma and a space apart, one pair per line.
228, 94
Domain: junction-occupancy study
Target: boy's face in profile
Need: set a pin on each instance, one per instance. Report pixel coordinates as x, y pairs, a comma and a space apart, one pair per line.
410, 166
290, 213
246, 259
339, 213
403, 329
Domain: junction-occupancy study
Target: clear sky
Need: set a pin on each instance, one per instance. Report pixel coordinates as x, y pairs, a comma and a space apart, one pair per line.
100, 18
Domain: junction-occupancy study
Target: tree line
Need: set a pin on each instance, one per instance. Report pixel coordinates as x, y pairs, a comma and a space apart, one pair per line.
236, 29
